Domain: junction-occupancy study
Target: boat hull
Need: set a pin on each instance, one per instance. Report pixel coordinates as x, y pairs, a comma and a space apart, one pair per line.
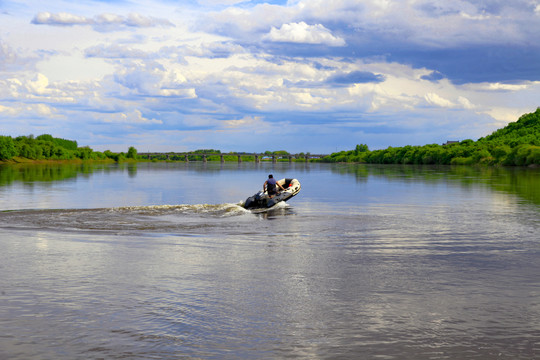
262, 200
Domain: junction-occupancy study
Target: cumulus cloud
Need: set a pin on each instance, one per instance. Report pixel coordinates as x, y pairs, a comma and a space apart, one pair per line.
39, 110
8, 110
465, 103
115, 51
60, 19
153, 79
303, 33
246, 122
11, 60
213, 50
7, 56
131, 117
436, 100
39, 84
219, 2
100, 22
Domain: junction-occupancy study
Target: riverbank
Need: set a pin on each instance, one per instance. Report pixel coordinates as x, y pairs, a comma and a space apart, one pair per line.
24, 161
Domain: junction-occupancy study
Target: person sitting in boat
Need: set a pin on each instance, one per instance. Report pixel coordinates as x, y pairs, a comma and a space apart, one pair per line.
271, 185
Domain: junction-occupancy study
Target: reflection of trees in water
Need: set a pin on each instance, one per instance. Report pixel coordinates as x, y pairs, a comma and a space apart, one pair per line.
54, 172
523, 182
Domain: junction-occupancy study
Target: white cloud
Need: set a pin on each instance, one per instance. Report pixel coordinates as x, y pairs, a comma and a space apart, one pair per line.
479, 17
8, 110
8, 57
138, 20
44, 110
505, 115
504, 87
39, 84
179, 93
305, 34
60, 19
29, 110
437, 100
154, 79
212, 50
246, 22
219, 2
115, 51
245, 122
102, 21
132, 117
465, 103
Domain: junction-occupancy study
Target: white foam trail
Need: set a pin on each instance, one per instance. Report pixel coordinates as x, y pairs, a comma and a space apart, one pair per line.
227, 209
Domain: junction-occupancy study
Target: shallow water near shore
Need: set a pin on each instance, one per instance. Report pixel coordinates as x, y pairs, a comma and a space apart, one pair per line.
159, 260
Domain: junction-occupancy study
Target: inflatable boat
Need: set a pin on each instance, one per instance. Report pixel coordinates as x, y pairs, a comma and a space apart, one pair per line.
262, 200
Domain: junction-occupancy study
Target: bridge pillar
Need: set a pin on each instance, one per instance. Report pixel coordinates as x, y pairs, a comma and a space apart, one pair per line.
186, 159
257, 160
222, 159
239, 158
290, 158
274, 159
307, 158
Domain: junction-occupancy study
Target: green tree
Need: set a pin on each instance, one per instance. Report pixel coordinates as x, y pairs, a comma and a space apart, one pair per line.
132, 153
7, 148
85, 153
361, 148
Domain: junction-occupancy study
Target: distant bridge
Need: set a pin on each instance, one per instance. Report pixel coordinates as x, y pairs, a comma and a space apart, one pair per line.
256, 156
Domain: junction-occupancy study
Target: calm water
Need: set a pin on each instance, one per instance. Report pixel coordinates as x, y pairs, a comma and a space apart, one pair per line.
158, 261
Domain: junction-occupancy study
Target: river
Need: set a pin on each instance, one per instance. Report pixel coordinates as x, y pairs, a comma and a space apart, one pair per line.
159, 261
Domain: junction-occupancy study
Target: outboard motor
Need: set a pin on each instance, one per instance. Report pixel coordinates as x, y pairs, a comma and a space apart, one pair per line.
256, 201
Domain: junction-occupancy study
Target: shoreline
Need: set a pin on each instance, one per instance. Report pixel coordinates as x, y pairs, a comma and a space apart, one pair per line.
25, 161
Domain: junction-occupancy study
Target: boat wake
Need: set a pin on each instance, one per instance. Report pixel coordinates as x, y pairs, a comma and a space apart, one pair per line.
158, 218
217, 210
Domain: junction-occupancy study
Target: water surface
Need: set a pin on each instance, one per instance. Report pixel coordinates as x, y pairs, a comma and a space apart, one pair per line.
157, 260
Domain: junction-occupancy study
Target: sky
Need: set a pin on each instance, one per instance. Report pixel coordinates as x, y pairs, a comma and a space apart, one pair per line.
312, 76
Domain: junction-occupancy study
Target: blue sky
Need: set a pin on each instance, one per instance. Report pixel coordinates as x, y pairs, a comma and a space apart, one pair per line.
302, 75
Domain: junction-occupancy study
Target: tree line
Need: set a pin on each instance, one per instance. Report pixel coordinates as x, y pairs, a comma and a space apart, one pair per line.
47, 147
216, 155
516, 144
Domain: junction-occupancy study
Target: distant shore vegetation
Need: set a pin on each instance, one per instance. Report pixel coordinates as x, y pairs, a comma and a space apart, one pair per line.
46, 147
217, 155
35, 149
517, 144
